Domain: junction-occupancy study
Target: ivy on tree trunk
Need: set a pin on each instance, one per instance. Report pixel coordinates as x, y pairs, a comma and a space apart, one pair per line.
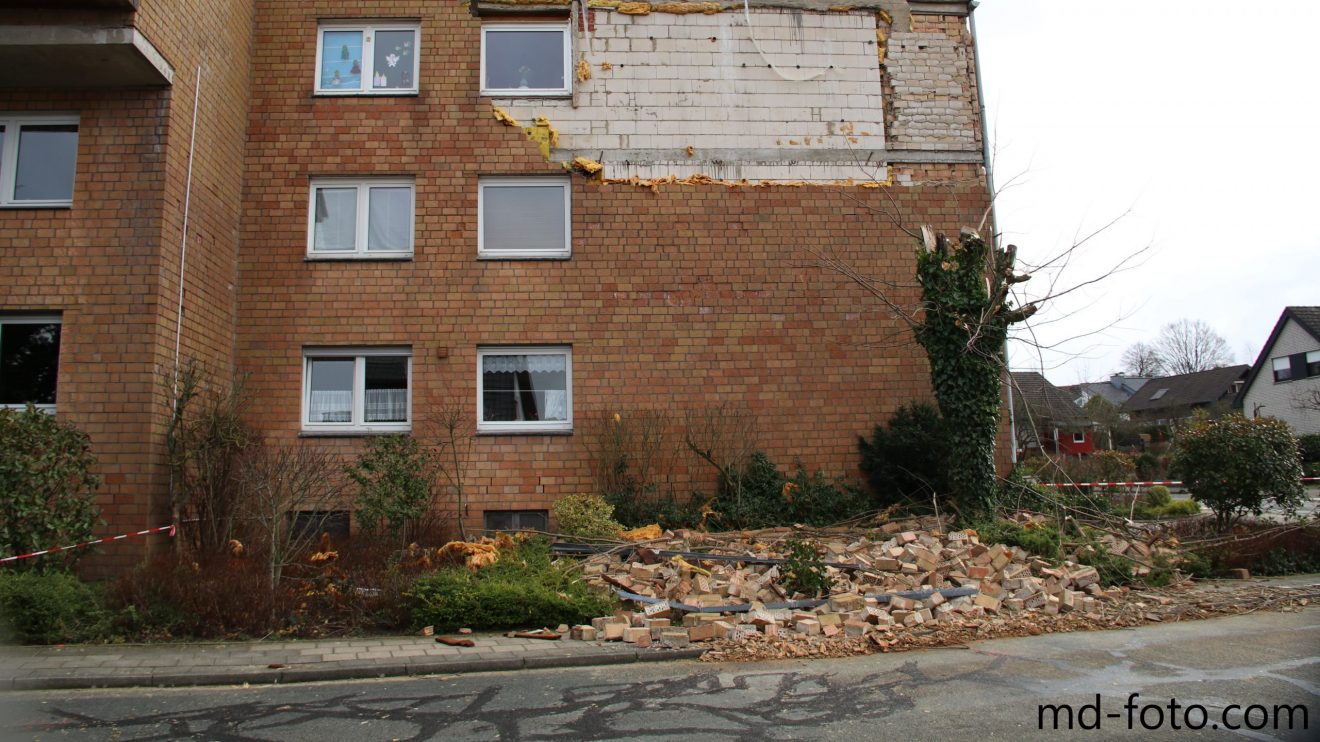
966, 316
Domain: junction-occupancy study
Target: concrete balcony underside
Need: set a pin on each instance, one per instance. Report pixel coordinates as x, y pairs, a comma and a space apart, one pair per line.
79, 56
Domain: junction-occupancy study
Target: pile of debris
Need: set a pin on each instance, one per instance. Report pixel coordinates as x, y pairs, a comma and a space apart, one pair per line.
888, 588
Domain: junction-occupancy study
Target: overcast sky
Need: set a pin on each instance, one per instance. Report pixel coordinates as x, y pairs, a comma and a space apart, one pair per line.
1196, 124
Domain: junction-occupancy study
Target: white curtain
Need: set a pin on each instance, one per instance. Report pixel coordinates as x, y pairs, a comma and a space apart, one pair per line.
555, 406
387, 405
331, 407
389, 219
336, 219
538, 363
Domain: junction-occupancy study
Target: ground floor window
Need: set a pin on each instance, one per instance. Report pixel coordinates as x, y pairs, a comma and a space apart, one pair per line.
525, 389
29, 360
356, 389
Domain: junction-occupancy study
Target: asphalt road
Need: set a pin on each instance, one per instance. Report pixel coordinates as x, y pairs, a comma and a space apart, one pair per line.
991, 690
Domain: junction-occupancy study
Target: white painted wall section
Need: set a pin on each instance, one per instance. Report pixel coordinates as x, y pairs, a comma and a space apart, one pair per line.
699, 81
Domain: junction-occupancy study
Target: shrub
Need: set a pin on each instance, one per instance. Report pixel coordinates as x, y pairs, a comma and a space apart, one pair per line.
1158, 496
1235, 465
1148, 466
523, 589
759, 496
49, 492
50, 608
586, 516
206, 441
395, 478
803, 569
1040, 540
1309, 448
908, 459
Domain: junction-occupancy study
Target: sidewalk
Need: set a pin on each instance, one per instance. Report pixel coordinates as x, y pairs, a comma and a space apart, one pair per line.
123, 665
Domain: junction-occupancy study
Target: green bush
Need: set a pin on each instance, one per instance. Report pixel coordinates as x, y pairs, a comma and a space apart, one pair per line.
1235, 465
395, 478
804, 570
50, 608
759, 496
1042, 540
524, 589
47, 489
1309, 447
586, 516
1158, 496
907, 461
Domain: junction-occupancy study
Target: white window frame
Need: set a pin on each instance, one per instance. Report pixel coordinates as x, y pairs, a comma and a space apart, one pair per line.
525, 426
1079, 437
9, 158
363, 186
36, 319
368, 57
553, 181
360, 355
566, 60
1312, 357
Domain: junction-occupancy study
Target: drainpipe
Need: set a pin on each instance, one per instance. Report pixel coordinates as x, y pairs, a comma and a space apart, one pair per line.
988, 162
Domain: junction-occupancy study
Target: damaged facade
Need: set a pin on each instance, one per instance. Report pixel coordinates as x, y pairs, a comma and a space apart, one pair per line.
541, 213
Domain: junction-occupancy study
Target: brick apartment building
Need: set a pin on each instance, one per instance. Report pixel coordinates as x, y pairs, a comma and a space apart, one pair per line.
383, 219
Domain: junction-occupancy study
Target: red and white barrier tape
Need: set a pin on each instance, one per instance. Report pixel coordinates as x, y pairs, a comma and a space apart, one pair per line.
105, 540
1131, 484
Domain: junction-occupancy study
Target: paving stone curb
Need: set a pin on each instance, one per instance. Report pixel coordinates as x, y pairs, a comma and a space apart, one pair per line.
53, 679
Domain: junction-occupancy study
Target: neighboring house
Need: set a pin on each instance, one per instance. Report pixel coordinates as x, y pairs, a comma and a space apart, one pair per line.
1047, 419
1168, 399
1117, 390
1285, 379
540, 214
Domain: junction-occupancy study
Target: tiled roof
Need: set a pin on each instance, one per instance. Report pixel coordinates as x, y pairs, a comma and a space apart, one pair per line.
1186, 390
1307, 317
1044, 401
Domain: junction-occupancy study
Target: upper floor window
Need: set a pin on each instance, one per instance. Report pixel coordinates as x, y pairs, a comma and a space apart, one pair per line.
525, 389
37, 157
523, 218
522, 59
29, 360
356, 59
360, 218
1282, 368
357, 390
1313, 363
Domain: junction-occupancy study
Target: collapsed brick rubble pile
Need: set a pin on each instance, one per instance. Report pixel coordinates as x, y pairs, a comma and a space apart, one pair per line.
900, 586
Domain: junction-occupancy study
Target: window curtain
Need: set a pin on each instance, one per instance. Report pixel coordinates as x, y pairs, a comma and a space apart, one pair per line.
387, 405
336, 219
390, 219
332, 406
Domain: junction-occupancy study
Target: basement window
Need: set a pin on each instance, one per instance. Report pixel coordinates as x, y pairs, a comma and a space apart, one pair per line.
348, 390
516, 520
37, 158
523, 218
355, 59
29, 360
360, 219
524, 390
524, 59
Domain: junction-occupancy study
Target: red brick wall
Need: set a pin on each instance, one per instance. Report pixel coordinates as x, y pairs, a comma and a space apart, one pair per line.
678, 299
110, 263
